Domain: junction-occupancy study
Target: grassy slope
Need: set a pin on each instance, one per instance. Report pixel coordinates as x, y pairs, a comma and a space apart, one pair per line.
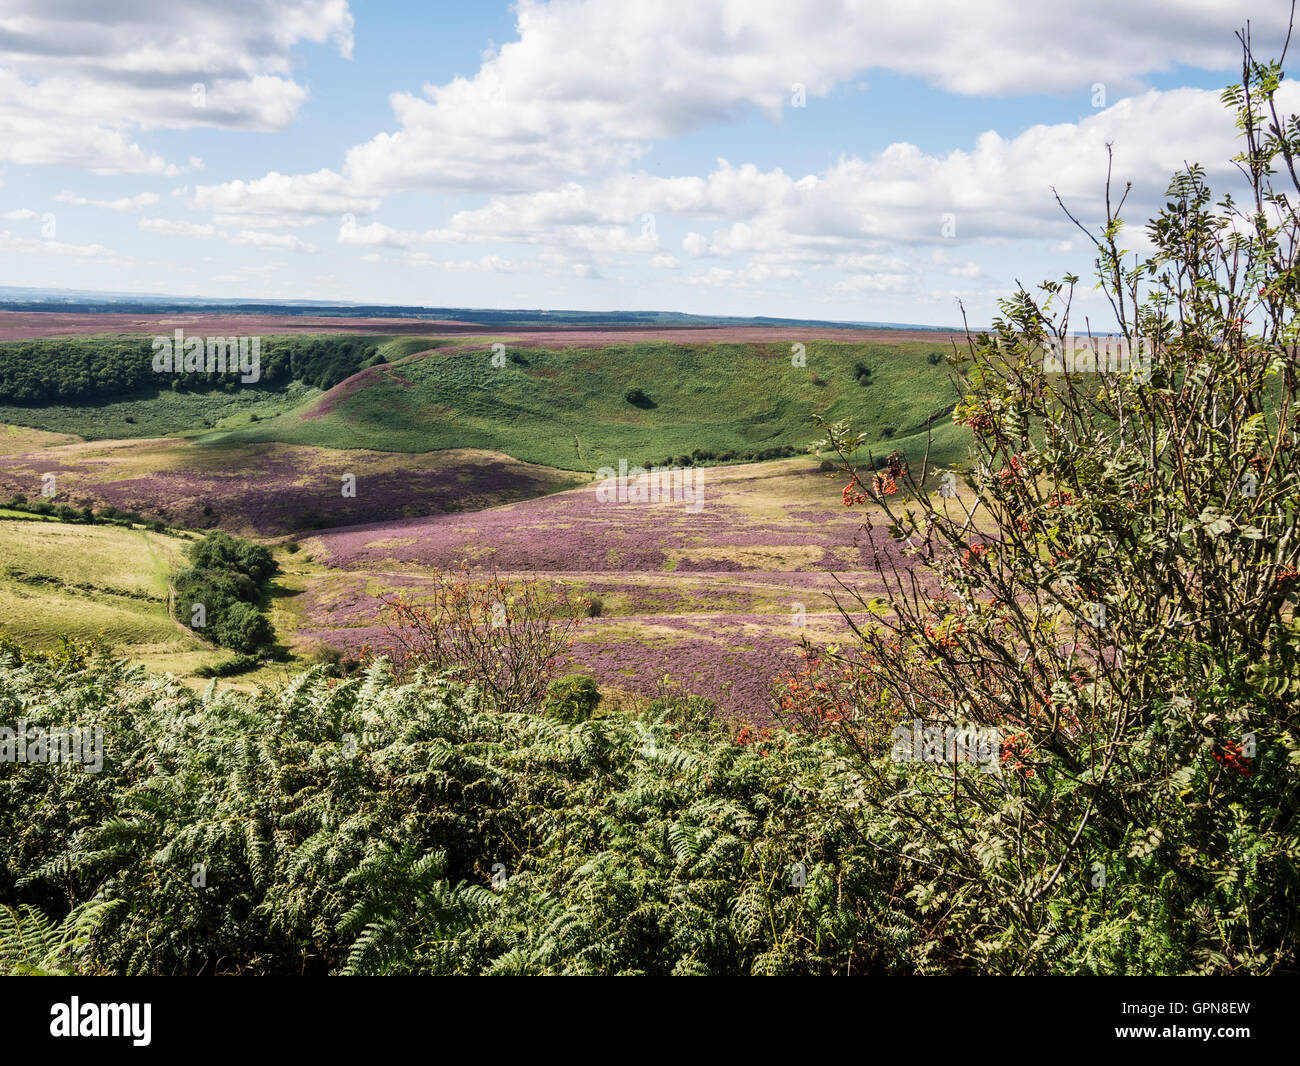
167, 412
79, 580
160, 414
269, 489
561, 409
566, 408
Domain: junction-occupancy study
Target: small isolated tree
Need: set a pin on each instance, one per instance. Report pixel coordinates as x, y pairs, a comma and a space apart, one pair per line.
1113, 591
508, 639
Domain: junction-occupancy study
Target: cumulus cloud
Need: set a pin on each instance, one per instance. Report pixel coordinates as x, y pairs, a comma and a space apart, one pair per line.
282, 199
167, 227
849, 215
124, 203
76, 87
589, 85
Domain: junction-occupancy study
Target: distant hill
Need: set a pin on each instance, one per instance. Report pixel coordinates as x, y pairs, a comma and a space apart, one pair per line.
82, 301
649, 402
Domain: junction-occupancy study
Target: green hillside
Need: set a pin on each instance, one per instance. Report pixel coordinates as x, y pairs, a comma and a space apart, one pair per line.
80, 580
569, 409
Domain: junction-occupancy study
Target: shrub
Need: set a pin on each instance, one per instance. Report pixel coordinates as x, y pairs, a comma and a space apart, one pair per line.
507, 639
573, 698
243, 627
1122, 614
236, 664
228, 577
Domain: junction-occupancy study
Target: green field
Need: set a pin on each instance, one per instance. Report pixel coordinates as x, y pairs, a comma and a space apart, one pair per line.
81, 581
567, 408
564, 408
160, 414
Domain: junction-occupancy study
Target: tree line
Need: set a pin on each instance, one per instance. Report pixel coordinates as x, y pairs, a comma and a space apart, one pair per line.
92, 368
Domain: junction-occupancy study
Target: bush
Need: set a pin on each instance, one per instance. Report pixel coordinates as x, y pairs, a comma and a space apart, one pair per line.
236, 664
244, 628
637, 398
227, 577
508, 639
573, 698
1121, 617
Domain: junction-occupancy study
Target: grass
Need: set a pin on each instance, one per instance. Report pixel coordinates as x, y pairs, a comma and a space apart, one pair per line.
81, 580
159, 414
23, 516
84, 581
566, 408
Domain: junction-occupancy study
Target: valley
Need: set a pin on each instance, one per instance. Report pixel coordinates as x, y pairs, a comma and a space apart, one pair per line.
483, 454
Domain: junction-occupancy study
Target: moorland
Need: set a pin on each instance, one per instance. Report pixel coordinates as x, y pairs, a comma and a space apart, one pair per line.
475, 451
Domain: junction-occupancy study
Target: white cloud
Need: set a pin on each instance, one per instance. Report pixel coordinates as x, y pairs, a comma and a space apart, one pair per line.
853, 215
488, 264
207, 232
78, 84
376, 234
31, 246
22, 214
283, 242
860, 283
125, 203
590, 84
283, 199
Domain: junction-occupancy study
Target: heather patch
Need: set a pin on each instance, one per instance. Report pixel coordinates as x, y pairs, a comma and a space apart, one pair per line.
716, 599
272, 489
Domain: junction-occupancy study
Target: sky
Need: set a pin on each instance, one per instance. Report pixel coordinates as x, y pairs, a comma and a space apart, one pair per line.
854, 160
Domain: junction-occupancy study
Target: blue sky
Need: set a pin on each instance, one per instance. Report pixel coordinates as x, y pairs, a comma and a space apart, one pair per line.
834, 159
